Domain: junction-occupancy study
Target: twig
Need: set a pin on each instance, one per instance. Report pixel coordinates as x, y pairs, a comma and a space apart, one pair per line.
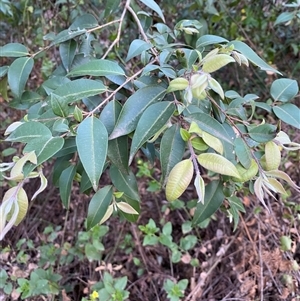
141, 29
117, 39
118, 89
261, 265
197, 289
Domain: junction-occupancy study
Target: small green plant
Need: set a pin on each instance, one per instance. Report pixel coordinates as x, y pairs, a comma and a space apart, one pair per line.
153, 236
111, 289
175, 291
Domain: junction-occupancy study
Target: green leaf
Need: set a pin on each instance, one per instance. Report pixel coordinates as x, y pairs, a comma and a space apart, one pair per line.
78, 89
118, 152
215, 86
111, 6
152, 120
97, 67
153, 5
242, 151
236, 205
284, 17
272, 155
263, 132
84, 21
18, 74
206, 40
286, 243
210, 125
171, 150
91, 141
218, 164
59, 107
65, 184
124, 182
67, 52
28, 131
179, 179
213, 142
136, 48
246, 174
213, 199
45, 148
110, 115
284, 89
251, 56
3, 71
13, 50
216, 62
288, 113
177, 84
134, 108
98, 206
66, 35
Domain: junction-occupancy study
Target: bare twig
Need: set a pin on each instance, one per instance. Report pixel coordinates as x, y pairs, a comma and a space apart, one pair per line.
117, 39
261, 265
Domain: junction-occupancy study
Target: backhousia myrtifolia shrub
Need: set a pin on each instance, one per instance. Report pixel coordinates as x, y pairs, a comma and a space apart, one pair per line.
98, 109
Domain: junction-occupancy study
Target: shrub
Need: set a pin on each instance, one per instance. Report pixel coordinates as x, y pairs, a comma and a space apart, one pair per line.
101, 106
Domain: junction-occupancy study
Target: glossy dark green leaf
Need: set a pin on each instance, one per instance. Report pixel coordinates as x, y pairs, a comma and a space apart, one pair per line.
284, 89
13, 50
98, 205
263, 133
45, 147
251, 56
134, 108
85, 183
109, 115
171, 150
65, 184
91, 141
97, 67
78, 89
67, 53
118, 152
213, 199
68, 148
28, 131
242, 151
288, 113
84, 21
124, 182
152, 120
18, 74
211, 126
59, 107
136, 48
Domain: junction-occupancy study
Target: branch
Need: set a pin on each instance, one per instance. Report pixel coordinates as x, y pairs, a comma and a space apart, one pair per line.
117, 39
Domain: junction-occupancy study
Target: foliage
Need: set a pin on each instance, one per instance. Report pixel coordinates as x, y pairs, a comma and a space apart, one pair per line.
93, 114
